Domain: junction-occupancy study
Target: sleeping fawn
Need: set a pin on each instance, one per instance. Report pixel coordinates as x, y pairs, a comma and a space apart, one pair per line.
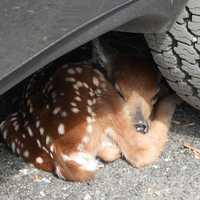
77, 117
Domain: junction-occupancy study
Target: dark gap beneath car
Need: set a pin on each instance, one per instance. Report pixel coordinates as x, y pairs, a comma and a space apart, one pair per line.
123, 42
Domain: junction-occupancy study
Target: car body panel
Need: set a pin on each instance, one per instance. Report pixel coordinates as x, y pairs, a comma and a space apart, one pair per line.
34, 33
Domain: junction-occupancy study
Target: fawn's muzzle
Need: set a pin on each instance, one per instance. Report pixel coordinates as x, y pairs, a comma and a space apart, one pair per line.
142, 127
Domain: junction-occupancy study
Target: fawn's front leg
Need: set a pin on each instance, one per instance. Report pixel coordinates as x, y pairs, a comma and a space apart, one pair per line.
108, 150
76, 166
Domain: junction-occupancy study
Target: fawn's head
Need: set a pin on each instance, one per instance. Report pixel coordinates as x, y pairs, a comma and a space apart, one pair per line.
138, 83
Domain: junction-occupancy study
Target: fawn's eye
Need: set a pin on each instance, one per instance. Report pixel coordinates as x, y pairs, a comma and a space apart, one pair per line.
119, 91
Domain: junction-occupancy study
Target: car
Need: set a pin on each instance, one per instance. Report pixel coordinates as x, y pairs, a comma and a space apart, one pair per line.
35, 33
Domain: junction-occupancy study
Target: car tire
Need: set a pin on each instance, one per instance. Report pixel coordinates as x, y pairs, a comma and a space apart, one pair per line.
177, 53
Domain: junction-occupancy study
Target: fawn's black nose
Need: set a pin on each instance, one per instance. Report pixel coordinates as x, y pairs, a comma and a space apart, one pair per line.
142, 127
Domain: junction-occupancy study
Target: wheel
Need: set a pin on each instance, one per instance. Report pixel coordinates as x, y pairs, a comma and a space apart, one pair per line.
177, 53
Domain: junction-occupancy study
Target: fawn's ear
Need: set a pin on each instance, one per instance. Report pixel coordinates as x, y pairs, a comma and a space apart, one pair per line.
104, 55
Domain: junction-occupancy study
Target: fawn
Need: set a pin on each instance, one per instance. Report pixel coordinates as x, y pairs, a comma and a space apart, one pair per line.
77, 117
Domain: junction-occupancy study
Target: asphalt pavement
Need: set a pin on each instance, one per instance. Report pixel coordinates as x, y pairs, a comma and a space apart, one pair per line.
176, 176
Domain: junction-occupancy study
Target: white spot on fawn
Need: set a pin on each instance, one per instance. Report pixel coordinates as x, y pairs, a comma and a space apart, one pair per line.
41, 131
70, 79
13, 119
89, 109
75, 110
99, 73
98, 91
37, 124
56, 110
77, 98
89, 119
45, 149
93, 115
95, 81
31, 109
71, 71
63, 114
2, 124
75, 86
14, 114
91, 93
16, 127
89, 128
47, 140
22, 145
77, 92
73, 104
61, 129
18, 151
30, 132
79, 70
52, 148
28, 102
86, 139
89, 102
26, 153
79, 84
94, 101
5, 134
39, 143
39, 160
85, 85
13, 147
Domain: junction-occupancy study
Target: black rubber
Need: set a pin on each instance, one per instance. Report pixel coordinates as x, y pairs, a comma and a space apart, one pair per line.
177, 53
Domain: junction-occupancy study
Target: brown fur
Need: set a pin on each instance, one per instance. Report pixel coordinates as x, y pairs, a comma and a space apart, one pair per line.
113, 131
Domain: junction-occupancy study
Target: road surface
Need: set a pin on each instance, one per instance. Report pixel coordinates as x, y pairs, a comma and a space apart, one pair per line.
176, 176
